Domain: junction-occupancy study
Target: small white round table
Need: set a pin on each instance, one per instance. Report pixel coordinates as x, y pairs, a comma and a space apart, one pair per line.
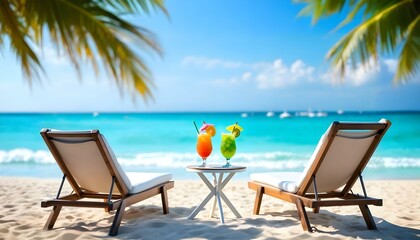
217, 172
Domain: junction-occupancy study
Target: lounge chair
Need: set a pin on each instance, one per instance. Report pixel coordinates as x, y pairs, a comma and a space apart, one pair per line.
92, 170
337, 162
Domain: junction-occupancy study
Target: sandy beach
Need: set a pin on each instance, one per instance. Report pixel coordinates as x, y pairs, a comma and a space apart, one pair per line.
22, 217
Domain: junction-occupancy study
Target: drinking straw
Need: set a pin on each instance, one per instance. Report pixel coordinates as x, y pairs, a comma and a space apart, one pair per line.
196, 128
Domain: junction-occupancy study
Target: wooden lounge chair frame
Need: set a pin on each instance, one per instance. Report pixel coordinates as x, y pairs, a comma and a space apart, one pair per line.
109, 201
343, 197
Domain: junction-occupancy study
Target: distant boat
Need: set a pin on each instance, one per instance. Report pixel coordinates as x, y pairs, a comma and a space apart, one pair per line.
269, 114
321, 114
95, 114
301, 114
285, 115
309, 113
340, 111
244, 115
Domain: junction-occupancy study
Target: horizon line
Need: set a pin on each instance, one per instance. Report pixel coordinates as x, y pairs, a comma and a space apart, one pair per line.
205, 112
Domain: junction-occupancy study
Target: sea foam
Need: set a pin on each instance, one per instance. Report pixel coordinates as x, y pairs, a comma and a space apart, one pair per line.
267, 160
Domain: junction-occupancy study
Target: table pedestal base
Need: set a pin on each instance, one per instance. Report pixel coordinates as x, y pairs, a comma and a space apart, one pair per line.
217, 193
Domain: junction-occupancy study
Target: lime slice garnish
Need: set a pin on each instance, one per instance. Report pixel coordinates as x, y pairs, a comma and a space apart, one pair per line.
236, 132
231, 127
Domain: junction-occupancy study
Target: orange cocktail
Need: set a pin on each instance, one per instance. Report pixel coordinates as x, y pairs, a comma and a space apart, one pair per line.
204, 146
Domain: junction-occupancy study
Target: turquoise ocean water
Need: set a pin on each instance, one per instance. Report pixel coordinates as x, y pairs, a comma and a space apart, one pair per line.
165, 142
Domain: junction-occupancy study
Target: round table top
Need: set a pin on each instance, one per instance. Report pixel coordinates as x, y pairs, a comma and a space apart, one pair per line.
210, 168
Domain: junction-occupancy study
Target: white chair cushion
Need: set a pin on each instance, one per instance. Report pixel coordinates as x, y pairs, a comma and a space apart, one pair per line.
286, 181
344, 155
117, 165
141, 181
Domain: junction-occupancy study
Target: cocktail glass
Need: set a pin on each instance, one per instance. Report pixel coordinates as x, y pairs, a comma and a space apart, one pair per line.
204, 147
228, 147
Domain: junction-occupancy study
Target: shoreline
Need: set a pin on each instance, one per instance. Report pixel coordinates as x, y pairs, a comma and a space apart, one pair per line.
23, 218
179, 174
52, 171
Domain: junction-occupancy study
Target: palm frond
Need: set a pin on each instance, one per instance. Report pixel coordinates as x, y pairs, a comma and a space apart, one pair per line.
387, 26
136, 6
356, 8
13, 28
319, 8
84, 29
380, 31
88, 31
409, 62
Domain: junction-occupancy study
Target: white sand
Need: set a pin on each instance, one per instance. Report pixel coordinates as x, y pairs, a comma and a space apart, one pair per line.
21, 216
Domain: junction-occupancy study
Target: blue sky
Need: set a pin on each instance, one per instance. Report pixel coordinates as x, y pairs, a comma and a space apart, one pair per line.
236, 55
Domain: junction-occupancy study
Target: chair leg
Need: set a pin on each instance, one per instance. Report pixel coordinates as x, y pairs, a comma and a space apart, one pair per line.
113, 231
258, 200
303, 217
368, 217
315, 210
52, 218
164, 195
106, 209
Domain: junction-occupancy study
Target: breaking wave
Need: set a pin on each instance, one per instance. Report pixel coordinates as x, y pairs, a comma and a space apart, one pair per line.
269, 160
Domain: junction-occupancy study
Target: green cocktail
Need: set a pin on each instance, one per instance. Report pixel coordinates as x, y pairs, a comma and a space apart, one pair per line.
228, 147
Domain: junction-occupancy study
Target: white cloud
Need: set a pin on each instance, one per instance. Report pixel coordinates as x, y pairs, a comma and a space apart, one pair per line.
247, 76
266, 75
211, 62
278, 74
299, 69
51, 55
391, 64
361, 75
54, 57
